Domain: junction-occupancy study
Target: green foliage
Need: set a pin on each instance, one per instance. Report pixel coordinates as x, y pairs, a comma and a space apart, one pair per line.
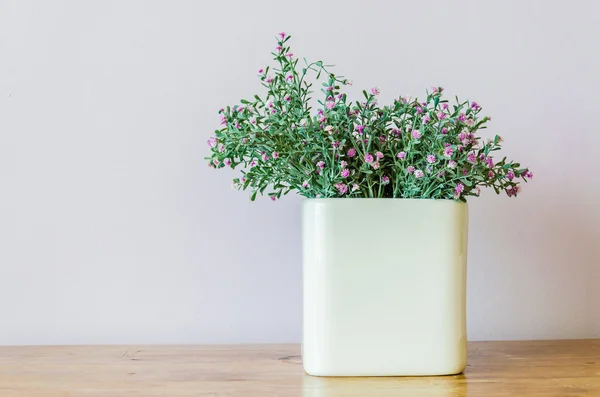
409, 149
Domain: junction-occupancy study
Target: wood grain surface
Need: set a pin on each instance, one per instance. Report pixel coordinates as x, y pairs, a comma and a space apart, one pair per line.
524, 368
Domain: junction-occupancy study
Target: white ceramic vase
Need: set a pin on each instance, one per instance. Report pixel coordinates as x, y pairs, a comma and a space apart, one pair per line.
384, 287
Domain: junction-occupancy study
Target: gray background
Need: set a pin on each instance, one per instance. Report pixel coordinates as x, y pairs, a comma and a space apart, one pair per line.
113, 230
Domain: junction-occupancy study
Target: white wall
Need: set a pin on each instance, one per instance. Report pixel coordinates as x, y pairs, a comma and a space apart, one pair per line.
113, 230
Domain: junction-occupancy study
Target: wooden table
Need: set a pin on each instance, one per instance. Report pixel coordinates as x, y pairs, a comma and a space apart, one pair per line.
515, 369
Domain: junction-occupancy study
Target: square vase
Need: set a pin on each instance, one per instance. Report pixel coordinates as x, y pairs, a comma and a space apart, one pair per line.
384, 287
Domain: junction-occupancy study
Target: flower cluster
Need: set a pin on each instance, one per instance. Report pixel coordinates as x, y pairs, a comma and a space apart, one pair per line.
409, 149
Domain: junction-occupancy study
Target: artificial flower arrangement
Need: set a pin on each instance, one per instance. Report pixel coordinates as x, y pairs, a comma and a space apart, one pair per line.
410, 149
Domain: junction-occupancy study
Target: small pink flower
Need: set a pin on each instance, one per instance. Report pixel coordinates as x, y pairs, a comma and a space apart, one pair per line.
491, 174
478, 191
242, 180
264, 157
419, 110
321, 164
212, 141
396, 131
401, 155
360, 128
379, 155
223, 119
375, 165
385, 180
343, 164
426, 119
375, 91
282, 35
459, 189
368, 158
462, 117
330, 105
431, 158
305, 184
489, 162
512, 191
444, 106
448, 152
289, 55
278, 48
342, 188
261, 71
462, 136
451, 164
336, 144
345, 173
528, 174
289, 77
252, 163
351, 152
419, 174
227, 162
216, 161
410, 169
441, 115
221, 148
287, 97
273, 198
510, 175
355, 187
475, 105
269, 80
416, 134
252, 120
270, 104
471, 157
275, 155
444, 130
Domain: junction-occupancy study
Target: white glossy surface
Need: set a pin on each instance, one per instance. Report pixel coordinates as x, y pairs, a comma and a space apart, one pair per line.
384, 287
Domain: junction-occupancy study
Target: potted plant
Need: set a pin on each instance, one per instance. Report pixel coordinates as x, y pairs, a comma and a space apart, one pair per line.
385, 220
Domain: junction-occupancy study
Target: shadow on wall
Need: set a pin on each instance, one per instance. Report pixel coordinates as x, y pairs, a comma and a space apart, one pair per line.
535, 267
